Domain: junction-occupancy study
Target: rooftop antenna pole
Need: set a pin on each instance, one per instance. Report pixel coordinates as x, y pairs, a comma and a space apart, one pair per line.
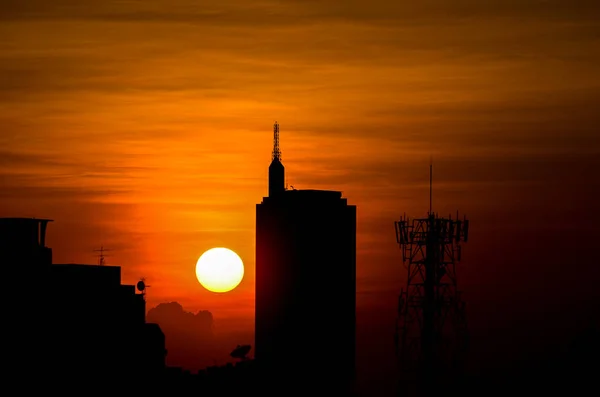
101, 256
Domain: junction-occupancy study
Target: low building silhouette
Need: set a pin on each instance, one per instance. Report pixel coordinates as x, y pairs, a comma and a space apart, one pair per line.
76, 321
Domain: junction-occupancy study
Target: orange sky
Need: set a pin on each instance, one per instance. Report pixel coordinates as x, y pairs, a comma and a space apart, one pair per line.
146, 126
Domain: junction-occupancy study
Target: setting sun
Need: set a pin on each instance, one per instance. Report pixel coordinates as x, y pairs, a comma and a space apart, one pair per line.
219, 270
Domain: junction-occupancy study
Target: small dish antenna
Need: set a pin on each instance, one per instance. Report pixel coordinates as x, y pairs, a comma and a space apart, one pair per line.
141, 285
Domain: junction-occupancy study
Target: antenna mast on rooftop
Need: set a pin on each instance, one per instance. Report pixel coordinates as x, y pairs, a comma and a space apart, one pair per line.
101, 256
276, 150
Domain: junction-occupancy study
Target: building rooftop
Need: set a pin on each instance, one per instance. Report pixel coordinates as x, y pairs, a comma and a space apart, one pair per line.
19, 219
307, 195
315, 192
88, 267
90, 275
23, 232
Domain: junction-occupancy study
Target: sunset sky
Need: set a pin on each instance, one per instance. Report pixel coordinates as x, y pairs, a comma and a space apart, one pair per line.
146, 127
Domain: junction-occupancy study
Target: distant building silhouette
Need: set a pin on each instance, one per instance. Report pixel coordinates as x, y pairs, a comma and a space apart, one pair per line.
305, 283
87, 324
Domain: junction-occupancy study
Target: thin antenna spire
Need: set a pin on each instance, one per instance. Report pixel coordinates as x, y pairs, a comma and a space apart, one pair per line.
101, 256
276, 151
431, 185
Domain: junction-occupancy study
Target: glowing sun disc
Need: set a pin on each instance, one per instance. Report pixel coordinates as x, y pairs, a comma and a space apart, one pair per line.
219, 270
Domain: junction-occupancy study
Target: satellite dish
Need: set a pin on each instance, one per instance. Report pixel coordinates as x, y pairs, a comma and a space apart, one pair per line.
241, 351
141, 285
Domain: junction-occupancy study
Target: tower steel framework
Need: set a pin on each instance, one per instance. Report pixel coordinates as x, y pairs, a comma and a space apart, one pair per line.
431, 331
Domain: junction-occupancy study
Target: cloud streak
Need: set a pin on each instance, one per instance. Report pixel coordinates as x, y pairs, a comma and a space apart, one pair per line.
268, 12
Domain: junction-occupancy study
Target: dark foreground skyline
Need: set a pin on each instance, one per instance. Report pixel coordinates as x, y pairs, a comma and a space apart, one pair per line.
98, 333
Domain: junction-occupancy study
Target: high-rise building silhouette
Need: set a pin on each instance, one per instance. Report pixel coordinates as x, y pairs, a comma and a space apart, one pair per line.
305, 283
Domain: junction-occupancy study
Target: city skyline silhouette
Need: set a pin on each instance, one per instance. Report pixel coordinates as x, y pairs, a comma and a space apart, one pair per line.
145, 129
300, 234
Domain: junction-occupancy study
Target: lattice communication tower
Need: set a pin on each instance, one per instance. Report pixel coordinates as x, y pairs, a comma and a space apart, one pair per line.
431, 331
